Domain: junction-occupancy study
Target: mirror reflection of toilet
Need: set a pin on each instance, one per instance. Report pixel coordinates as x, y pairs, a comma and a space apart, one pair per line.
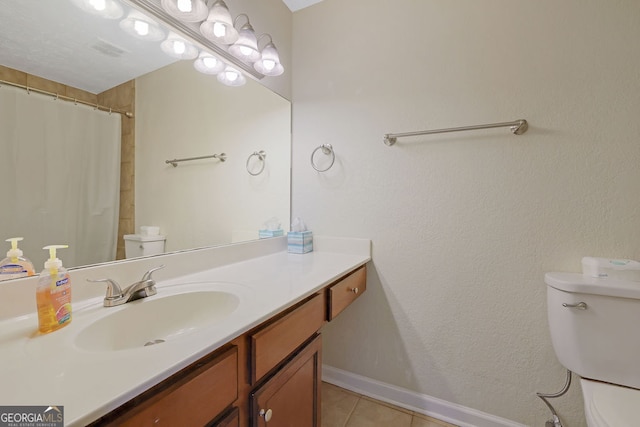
594, 323
137, 245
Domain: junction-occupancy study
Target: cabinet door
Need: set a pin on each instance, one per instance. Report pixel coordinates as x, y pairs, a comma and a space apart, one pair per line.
230, 419
291, 397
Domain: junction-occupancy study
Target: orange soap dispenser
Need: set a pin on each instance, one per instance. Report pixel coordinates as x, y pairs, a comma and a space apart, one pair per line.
53, 294
15, 265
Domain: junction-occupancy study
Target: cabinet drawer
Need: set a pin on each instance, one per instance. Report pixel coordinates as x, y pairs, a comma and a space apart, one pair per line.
230, 419
196, 398
272, 343
291, 397
345, 291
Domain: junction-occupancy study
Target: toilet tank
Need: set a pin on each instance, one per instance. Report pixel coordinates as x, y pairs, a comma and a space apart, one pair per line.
137, 245
595, 326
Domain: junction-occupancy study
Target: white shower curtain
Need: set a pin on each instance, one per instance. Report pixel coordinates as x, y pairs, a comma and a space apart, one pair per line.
59, 177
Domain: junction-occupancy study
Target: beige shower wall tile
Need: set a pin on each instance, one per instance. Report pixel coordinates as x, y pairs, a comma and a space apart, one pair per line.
126, 177
46, 85
127, 205
13, 76
81, 95
120, 97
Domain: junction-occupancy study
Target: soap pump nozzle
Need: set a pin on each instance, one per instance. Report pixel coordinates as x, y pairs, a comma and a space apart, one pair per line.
14, 253
53, 263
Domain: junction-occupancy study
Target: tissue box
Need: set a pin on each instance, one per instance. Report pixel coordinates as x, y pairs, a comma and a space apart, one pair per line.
270, 233
300, 242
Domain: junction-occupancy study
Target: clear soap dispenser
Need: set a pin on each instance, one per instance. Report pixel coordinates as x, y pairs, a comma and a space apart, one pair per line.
53, 294
15, 265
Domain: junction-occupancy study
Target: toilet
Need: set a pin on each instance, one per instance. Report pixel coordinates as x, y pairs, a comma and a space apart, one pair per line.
595, 324
137, 245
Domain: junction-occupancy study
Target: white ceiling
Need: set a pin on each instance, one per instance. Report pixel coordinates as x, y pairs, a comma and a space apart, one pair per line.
56, 40
299, 4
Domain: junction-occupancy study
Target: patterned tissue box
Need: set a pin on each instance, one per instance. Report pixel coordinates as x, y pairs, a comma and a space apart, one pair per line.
300, 242
263, 234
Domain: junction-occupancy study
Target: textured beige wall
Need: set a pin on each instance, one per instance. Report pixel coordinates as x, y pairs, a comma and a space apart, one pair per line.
181, 113
465, 225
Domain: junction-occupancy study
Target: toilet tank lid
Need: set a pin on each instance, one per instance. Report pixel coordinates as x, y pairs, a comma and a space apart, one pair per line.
144, 238
576, 282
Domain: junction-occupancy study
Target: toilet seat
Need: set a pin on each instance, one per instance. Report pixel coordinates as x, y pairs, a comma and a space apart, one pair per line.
608, 405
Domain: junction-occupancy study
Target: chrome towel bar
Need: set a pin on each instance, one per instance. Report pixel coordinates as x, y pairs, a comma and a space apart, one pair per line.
518, 127
222, 157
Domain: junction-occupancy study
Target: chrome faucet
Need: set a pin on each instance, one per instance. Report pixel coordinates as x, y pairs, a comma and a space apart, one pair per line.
146, 287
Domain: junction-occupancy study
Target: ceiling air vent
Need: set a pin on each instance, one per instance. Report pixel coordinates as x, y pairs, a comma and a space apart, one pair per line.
109, 49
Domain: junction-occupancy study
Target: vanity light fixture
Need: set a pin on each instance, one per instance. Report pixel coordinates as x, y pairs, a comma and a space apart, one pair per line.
109, 9
229, 51
178, 47
141, 26
269, 62
246, 47
218, 27
186, 10
208, 64
231, 77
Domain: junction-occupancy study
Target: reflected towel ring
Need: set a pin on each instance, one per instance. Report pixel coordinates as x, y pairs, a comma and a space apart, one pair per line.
328, 150
261, 156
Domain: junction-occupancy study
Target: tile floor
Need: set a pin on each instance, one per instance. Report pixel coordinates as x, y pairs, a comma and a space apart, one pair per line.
343, 408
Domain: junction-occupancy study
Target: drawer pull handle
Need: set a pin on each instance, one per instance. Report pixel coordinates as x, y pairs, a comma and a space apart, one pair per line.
355, 290
580, 306
266, 414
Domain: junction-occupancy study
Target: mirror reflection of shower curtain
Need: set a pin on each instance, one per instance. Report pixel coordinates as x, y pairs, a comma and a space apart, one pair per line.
59, 177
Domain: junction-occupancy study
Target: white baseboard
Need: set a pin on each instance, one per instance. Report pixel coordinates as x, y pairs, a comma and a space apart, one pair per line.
420, 403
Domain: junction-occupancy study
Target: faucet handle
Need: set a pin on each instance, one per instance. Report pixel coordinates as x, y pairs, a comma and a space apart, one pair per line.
147, 275
113, 289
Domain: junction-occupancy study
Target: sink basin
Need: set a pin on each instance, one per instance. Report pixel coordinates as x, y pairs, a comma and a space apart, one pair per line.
153, 320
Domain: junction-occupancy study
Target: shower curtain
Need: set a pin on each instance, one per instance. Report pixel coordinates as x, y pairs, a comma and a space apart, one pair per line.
59, 177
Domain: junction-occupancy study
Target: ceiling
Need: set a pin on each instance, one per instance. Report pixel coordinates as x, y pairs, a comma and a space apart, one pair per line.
294, 5
56, 40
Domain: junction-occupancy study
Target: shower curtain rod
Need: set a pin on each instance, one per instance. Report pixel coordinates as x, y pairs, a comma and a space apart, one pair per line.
518, 127
67, 98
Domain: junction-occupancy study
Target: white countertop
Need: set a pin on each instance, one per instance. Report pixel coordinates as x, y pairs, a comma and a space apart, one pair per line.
52, 370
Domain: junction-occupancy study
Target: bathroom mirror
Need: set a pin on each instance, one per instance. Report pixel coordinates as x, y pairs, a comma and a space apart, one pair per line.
196, 204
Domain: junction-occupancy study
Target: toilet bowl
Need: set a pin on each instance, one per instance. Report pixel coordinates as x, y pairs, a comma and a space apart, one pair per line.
594, 327
607, 405
137, 245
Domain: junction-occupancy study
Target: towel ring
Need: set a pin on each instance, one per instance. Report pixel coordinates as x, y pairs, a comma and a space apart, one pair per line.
261, 156
327, 149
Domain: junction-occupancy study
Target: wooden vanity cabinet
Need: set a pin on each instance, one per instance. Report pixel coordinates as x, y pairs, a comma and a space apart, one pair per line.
291, 396
269, 376
271, 343
344, 291
230, 418
194, 396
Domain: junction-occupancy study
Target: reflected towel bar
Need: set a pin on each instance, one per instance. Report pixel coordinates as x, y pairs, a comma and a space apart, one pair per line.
518, 127
222, 157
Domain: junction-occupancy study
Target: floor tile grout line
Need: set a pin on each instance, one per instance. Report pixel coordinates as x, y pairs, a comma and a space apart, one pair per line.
352, 411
